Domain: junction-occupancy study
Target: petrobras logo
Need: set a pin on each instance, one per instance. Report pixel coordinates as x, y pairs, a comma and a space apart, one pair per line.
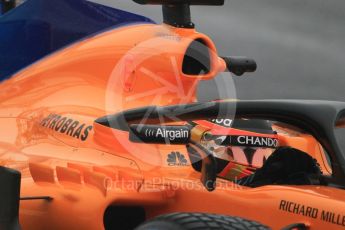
255, 141
222, 122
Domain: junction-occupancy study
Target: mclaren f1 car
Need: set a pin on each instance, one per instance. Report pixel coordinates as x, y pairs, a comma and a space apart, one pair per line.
106, 132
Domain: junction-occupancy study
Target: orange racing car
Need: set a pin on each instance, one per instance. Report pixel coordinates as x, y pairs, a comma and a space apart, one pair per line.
107, 133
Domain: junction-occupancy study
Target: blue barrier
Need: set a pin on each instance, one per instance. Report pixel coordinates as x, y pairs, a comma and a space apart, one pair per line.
39, 27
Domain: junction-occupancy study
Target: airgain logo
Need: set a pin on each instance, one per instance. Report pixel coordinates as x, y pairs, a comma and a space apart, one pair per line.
176, 159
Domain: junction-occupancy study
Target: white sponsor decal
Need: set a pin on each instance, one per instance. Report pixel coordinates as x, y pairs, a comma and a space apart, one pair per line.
223, 122
260, 141
169, 134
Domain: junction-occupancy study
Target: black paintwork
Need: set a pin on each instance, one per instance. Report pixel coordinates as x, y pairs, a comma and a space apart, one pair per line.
148, 134
240, 65
9, 198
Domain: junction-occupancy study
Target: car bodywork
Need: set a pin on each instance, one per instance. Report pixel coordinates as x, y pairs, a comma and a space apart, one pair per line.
83, 169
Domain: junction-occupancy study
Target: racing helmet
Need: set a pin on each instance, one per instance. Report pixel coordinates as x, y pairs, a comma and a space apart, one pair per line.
240, 146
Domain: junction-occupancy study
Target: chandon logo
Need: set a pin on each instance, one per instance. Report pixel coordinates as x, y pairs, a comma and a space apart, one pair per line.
250, 141
257, 141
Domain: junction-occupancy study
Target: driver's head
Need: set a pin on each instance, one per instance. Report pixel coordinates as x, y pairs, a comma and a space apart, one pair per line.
240, 145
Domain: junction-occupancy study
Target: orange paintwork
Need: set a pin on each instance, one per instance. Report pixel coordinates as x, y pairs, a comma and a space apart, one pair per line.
103, 75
